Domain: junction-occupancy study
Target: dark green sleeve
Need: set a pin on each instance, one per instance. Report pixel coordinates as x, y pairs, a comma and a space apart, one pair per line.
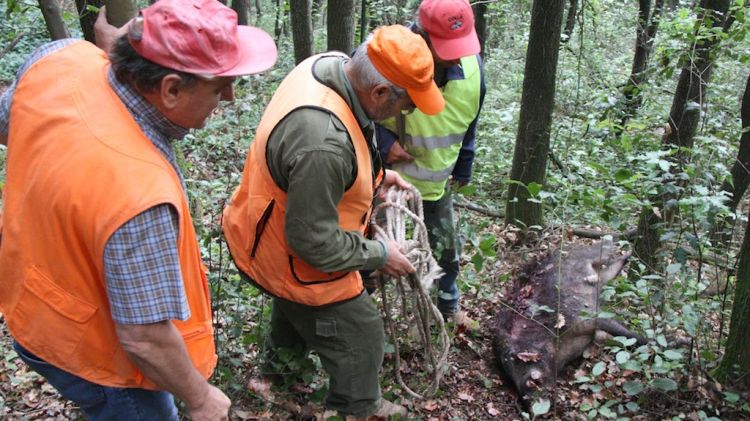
311, 157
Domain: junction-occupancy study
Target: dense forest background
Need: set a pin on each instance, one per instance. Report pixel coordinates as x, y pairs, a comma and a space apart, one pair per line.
602, 119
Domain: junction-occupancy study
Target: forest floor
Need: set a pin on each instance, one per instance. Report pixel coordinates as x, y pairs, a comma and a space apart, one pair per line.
471, 389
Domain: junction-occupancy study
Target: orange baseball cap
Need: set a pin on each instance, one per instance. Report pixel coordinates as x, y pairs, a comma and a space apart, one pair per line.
404, 58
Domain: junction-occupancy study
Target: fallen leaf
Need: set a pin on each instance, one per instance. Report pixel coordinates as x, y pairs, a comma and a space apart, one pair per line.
528, 357
491, 410
430, 405
465, 397
560, 321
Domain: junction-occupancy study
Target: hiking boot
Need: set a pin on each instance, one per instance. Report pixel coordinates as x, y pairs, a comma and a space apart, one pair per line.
388, 408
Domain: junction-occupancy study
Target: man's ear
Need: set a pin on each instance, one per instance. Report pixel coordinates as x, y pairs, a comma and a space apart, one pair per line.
170, 89
380, 93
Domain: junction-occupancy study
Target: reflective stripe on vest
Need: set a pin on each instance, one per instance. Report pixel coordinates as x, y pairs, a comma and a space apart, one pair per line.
78, 168
435, 141
254, 219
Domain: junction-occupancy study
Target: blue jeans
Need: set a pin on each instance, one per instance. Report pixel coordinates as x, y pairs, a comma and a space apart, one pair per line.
102, 402
438, 218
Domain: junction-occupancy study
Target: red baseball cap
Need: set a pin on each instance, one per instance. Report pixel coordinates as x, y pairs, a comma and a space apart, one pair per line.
450, 25
201, 37
404, 58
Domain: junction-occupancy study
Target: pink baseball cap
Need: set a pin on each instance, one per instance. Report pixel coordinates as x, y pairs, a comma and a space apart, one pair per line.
450, 25
201, 37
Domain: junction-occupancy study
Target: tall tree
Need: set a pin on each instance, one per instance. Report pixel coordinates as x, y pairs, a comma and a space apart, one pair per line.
119, 12
480, 23
242, 8
684, 117
53, 19
648, 23
87, 17
570, 20
537, 101
735, 365
302, 34
341, 24
736, 186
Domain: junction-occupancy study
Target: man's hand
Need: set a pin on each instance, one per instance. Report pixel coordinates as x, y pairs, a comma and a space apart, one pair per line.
107, 34
392, 178
398, 154
396, 265
215, 406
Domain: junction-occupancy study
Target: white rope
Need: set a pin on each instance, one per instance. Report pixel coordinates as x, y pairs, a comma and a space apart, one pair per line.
403, 214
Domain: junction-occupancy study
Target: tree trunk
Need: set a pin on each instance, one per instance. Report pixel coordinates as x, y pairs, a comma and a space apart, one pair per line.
480, 24
53, 18
570, 20
537, 102
737, 185
258, 11
119, 12
301, 29
363, 22
735, 365
87, 18
241, 7
341, 18
684, 117
648, 23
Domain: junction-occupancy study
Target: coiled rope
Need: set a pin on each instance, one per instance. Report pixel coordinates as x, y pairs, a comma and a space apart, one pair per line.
398, 215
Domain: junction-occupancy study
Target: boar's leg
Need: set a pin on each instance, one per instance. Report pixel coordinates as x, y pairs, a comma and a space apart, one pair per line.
614, 328
579, 336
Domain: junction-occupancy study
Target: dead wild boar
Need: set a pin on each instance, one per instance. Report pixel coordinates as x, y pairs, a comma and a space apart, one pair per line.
533, 341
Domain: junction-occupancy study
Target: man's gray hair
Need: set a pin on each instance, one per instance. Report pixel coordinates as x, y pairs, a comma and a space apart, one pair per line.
364, 75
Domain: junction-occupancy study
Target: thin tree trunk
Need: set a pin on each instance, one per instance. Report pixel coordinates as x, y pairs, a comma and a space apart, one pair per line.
341, 18
480, 24
241, 7
258, 11
53, 18
301, 29
570, 20
537, 102
87, 18
684, 117
119, 12
363, 29
648, 23
735, 366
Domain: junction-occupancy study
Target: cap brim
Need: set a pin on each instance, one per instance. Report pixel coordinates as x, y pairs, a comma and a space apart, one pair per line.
456, 48
257, 52
429, 101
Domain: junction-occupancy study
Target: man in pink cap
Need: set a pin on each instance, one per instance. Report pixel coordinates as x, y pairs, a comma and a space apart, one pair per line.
429, 151
103, 288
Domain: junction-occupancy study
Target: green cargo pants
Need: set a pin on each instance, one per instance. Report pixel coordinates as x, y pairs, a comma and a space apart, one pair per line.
348, 337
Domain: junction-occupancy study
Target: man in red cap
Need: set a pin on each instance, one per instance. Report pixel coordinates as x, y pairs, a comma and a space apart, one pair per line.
103, 287
295, 225
434, 149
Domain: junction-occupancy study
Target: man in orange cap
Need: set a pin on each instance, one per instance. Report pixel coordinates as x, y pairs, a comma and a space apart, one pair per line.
295, 225
102, 284
434, 149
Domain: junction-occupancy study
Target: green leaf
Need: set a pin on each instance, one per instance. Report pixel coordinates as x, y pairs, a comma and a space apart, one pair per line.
674, 268
622, 357
540, 407
598, 368
623, 175
632, 388
665, 385
731, 397
673, 355
534, 189
632, 407
661, 340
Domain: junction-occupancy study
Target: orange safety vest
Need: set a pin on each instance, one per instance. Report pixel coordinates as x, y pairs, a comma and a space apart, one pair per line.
254, 219
78, 167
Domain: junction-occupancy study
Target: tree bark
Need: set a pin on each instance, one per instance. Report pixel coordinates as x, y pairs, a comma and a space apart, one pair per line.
648, 23
363, 22
301, 29
53, 19
480, 24
570, 20
684, 117
119, 12
87, 18
735, 365
537, 102
341, 23
242, 8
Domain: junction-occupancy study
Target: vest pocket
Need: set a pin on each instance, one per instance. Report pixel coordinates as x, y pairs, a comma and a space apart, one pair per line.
46, 314
260, 226
306, 274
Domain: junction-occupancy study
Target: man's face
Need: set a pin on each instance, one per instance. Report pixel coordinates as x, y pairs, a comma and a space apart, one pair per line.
196, 102
386, 105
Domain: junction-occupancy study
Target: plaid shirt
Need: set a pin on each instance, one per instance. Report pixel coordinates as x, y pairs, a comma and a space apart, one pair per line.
141, 265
